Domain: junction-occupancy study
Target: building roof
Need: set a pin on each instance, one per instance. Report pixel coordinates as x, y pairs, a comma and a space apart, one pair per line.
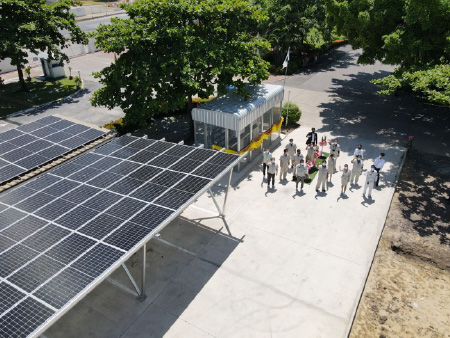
234, 112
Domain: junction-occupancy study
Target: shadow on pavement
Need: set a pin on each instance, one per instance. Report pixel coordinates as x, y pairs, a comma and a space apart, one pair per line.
174, 278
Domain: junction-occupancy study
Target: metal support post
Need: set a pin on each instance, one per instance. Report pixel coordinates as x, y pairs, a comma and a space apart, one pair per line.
226, 193
142, 295
130, 277
215, 202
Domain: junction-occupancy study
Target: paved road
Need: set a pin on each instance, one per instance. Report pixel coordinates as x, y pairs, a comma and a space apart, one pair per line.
78, 107
91, 25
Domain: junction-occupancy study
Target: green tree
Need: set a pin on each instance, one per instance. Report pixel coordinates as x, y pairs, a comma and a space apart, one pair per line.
408, 33
32, 26
295, 24
173, 50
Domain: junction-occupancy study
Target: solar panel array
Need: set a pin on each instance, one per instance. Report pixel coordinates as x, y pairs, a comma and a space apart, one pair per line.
31, 145
67, 229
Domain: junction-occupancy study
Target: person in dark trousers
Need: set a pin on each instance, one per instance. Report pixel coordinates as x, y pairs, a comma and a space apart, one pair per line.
312, 137
267, 155
379, 163
272, 170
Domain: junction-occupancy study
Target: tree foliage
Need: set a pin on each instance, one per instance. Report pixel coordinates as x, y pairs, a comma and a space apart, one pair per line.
413, 34
31, 25
173, 50
433, 83
409, 33
295, 24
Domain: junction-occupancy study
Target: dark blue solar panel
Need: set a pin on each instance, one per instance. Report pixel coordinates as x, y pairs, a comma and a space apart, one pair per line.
34, 145
6, 147
35, 273
16, 155
23, 140
24, 318
32, 203
32, 161
70, 248
97, 260
127, 236
46, 237
63, 287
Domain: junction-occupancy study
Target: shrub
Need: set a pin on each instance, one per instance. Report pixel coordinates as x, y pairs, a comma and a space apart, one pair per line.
27, 71
293, 110
78, 81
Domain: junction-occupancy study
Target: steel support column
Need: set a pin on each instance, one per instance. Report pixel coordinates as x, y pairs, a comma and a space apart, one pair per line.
226, 193
142, 294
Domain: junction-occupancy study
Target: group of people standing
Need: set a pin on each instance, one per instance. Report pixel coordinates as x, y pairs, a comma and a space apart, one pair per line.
301, 165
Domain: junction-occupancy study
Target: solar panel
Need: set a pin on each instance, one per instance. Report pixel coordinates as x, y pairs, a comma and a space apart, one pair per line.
72, 226
32, 145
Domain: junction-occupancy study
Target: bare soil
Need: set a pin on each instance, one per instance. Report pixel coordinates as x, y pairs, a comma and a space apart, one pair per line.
407, 293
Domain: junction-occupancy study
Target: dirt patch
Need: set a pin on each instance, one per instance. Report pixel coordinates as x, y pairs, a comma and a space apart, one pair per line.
407, 292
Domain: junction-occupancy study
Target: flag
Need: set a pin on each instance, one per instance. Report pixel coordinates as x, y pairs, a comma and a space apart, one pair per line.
285, 63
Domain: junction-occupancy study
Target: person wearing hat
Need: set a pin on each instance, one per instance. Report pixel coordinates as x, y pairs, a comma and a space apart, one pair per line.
284, 164
322, 176
371, 177
291, 148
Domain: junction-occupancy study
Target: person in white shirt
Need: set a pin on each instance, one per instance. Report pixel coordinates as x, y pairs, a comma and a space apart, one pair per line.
371, 177
267, 155
359, 151
302, 173
335, 149
345, 178
291, 148
322, 176
331, 166
356, 170
284, 164
272, 171
297, 158
379, 163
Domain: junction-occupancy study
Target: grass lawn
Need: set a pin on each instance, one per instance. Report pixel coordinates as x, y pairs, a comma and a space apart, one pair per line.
12, 99
313, 171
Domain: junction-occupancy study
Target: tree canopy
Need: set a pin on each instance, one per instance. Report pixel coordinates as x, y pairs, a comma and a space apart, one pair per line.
409, 33
172, 50
412, 34
295, 24
31, 25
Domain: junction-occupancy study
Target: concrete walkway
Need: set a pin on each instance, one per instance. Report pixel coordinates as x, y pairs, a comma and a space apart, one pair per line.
295, 263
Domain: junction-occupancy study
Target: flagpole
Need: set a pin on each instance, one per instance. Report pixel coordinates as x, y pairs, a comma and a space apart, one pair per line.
287, 110
287, 64
286, 61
